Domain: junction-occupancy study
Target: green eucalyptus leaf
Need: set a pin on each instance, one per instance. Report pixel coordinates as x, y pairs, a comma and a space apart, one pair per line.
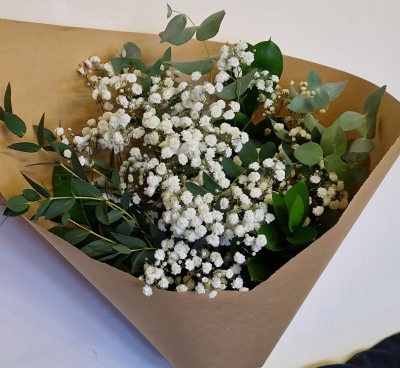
125, 200
362, 145
114, 215
210, 26
309, 153
302, 104
138, 64
230, 168
302, 235
133, 243
195, 189
334, 89
333, 141
182, 37
40, 132
47, 134
350, 120
85, 189
210, 184
166, 56
115, 178
174, 26
371, 107
1, 114
31, 195
248, 154
65, 218
125, 227
101, 212
130, 50
321, 100
7, 99
14, 124
333, 163
121, 63
41, 190
24, 147
98, 248
75, 236
122, 249
314, 81
58, 207
139, 260
169, 11
236, 88
18, 203
203, 66
267, 150
310, 122
146, 84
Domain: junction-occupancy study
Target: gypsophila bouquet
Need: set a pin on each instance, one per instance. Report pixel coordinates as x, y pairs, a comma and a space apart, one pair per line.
205, 175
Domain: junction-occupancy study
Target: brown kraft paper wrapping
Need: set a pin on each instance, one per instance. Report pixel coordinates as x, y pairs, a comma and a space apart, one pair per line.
234, 329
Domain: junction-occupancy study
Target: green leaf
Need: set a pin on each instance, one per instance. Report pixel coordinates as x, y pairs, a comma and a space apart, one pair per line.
298, 190
75, 236
14, 124
296, 213
98, 248
18, 203
302, 235
130, 50
371, 107
1, 114
40, 132
182, 37
169, 11
65, 218
125, 200
114, 215
146, 84
334, 141
314, 81
58, 207
334, 89
125, 227
267, 150
7, 99
31, 195
333, 163
257, 268
195, 189
85, 189
122, 249
121, 63
361, 145
24, 147
139, 260
236, 88
166, 56
210, 26
41, 190
309, 153
115, 178
203, 66
302, 104
267, 56
321, 100
174, 26
101, 212
48, 134
248, 154
350, 120
210, 184
231, 169
281, 211
310, 122
43, 206
133, 243
273, 241
157, 235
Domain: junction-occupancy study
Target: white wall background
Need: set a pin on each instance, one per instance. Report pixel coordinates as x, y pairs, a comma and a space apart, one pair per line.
53, 319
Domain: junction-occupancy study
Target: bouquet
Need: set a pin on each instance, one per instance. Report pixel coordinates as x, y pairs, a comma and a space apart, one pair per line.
205, 175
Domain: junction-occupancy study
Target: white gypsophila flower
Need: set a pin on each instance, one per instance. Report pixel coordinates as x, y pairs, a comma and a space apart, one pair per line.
212, 294
67, 153
239, 258
315, 179
195, 76
147, 290
59, 131
318, 210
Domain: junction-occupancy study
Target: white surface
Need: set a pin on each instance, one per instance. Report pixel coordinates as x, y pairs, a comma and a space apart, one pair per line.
50, 317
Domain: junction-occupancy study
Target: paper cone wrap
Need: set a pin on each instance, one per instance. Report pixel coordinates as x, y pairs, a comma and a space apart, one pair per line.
234, 329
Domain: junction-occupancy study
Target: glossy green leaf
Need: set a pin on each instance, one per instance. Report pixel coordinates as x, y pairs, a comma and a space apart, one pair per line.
281, 211
24, 147
133, 243
302, 235
18, 203
43, 206
130, 50
268, 56
273, 241
58, 207
75, 236
230, 168
248, 154
174, 26
314, 81
31, 195
296, 213
309, 153
195, 189
371, 107
101, 212
210, 26
85, 189
7, 99
333, 141
14, 124
297, 190
361, 145
203, 66
333, 163
256, 267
